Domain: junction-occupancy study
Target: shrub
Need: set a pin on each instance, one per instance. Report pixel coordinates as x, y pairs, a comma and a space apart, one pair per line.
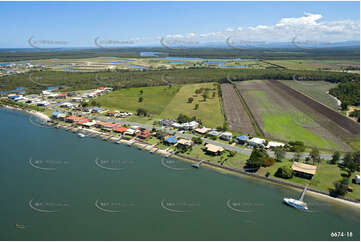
284, 172
269, 161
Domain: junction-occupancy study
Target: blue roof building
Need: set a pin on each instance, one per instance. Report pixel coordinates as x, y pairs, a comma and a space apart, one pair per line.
171, 140
242, 138
55, 114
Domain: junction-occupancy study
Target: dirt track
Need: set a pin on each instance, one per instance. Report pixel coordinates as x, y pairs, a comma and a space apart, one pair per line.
237, 117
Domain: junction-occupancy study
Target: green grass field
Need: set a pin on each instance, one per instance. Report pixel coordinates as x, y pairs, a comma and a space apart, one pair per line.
316, 90
209, 111
288, 124
285, 126
155, 99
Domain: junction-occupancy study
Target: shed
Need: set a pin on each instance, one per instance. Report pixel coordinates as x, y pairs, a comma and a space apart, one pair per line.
256, 141
304, 170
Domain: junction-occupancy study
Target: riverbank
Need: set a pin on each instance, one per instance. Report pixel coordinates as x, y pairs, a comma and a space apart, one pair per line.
152, 148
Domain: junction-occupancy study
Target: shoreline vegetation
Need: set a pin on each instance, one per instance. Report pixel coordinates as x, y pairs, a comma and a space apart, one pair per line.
169, 153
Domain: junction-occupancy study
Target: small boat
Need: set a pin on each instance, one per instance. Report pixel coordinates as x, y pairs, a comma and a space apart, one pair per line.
81, 135
299, 204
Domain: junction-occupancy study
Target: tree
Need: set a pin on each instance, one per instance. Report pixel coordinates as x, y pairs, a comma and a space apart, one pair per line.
196, 106
348, 164
284, 172
140, 99
315, 156
141, 92
204, 97
279, 153
197, 140
94, 103
341, 187
142, 112
232, 153
257, 158
356, 159
182, 118
335, 157
190, 100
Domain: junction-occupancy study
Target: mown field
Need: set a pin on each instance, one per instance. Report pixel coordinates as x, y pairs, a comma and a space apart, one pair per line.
316, 90
281, 118
169, 102
155, 99
209, 111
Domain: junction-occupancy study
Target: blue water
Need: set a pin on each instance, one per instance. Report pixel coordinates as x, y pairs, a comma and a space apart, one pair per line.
66, 69
53, 88
147, 54
138, 67
19, 90
177, 62
222, 64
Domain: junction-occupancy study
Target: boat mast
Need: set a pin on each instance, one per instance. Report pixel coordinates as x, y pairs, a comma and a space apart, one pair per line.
303, 193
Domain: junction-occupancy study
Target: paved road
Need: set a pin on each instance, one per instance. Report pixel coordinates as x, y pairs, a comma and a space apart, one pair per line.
242, 150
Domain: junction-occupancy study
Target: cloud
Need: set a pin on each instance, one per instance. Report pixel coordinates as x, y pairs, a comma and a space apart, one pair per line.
307, 27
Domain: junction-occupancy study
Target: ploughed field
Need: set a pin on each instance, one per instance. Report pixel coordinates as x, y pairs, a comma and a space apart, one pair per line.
237, 117
316, 90
284, 114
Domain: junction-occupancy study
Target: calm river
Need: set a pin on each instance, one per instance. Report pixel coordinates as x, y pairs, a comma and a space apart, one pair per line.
57, 186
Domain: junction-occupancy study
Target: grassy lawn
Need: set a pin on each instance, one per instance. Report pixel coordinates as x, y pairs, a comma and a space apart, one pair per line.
284, 126
209, 111
155, 99
324, 179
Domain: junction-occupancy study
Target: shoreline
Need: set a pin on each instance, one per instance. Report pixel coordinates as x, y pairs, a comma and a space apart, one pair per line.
222, 169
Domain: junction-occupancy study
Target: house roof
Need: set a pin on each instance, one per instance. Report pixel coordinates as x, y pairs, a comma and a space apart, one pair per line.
304, 168
83, 121
202, 130
242, 137
121, 129
214, 133
185, 142
75, 118
227, 134
257, 140
171, 140
214, 148
275, 144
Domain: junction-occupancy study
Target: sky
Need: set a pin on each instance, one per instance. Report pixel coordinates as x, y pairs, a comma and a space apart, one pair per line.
102, 24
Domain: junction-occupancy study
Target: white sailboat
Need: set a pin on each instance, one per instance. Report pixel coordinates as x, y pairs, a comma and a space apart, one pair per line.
299, 204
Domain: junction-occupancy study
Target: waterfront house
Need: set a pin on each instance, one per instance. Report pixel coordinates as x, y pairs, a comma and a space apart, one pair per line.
131, 132
73, 119
256, 141
62, 116
89, 124
226, 136
42, 104
203, 130
273, 144
304, 170
55, 114
213, 149
242, 139
171, 140
214, 133
120, 129
144, 134
85, 120
184, 142
106, 125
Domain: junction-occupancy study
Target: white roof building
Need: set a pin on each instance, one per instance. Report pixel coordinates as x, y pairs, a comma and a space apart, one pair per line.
226, 135
256, 141
272, 144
